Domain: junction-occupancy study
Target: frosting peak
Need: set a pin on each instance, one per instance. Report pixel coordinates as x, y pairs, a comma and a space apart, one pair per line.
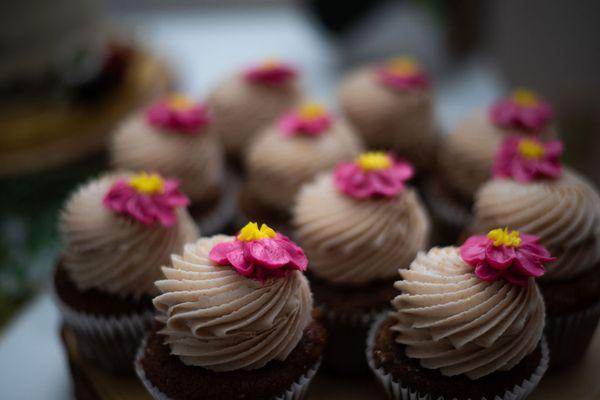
527, 159
522, 110
178, 113
311, 119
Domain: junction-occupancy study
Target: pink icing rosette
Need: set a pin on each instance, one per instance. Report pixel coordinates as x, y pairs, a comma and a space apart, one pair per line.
403, 73
178, 114
272, 72
510, 255
310, 119
146, 198
260, 253
528, 159
523, 110
374, 174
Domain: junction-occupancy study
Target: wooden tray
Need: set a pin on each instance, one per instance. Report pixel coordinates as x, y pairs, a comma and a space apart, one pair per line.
90, 383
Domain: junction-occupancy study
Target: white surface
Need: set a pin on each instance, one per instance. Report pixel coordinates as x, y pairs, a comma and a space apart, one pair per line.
204, 46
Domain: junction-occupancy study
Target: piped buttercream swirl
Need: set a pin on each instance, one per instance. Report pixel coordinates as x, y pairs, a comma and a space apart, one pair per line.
452, 321
217, 319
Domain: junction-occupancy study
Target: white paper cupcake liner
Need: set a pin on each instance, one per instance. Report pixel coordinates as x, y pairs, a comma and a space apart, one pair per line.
109, 342
297, 391
396, 390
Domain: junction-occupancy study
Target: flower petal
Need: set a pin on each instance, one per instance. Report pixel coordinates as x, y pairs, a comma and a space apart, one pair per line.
500, 257
268, 253
473, 249
487, 273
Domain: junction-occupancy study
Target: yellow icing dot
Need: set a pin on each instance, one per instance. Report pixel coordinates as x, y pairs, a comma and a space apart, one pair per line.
524, 97
530, 149
311, 110
502, 237
179, 102
270, 63
403, 66
147, 183
251, 232
374, 161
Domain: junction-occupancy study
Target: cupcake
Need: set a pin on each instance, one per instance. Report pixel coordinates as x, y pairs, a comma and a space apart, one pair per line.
466, 155
468, 323
533, 193
391, 105
175, 137
250, 100
234, 321
358, 225
117, 231
304, 141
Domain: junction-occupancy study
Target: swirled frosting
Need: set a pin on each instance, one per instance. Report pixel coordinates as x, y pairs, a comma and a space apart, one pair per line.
195, 160
112, 252
563, 212
278, 165
216, 318
466, 155
390, 119
452, 321
355, 241
242, 108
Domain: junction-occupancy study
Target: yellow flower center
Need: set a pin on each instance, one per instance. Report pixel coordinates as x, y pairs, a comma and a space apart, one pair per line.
524, 97
310, 111
147, 183
374, 161
403, 66
270, 63
502, 237
179, 102
251, 232
530, 149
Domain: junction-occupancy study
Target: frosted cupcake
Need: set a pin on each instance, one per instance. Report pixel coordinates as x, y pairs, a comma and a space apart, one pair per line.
117, 231
250, 100
468, 323
466, 155
358, 225
235, 321
175, 136
303, 142
391, 105
531, 192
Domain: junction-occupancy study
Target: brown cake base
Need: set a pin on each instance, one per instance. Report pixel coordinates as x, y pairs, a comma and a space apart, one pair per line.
348, 311
180, 382
572, 314
390, 356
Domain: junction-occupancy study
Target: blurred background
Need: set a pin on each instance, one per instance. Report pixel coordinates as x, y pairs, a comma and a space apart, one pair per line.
71, 69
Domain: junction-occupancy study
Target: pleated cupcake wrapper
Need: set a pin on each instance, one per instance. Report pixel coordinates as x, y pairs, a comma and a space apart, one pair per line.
109, 342
396, 390
297, 391
450, 214
224, 213
561, 331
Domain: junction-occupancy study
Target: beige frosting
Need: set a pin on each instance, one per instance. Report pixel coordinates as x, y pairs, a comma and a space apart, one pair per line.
114, 253
453, 322
218, 319
467, 154
355, 241
388, 118
278, 165
195, 160
565, 213
243, 108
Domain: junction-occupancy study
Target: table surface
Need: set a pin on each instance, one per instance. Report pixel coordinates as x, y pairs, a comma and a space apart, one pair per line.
204, 46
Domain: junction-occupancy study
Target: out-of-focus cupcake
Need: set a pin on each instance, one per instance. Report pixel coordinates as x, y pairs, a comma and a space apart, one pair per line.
250, 100
117, 230
358, 225
468, 323
235, 321
391, 105
175, 137
466, 156
303, 142
531, 192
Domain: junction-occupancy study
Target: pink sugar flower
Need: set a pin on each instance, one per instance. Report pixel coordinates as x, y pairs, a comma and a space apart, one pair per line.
528, 159
510, 255
147, 198
402, 73
523, 111
373, 174
271, 72
179, 114
310, 119
260, 253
